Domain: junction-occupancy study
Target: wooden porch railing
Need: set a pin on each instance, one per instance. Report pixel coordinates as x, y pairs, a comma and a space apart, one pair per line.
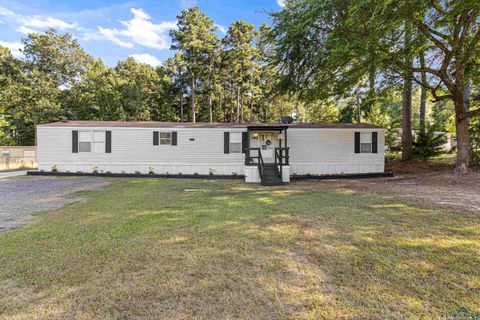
251, 160
282, 158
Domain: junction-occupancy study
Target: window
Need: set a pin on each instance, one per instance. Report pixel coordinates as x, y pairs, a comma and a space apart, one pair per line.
99, 141
84, 141
166, 138
235, 142
91, 141
365, 142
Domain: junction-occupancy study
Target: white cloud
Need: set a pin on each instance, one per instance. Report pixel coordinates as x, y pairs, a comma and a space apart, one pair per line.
48, 22
14, 48
6, 13
29, 24
25, 30
110, 34
281, 3
140, 30
221, 28
146, 58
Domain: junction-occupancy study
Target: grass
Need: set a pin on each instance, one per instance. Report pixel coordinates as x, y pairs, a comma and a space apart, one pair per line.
183, 249
22, 168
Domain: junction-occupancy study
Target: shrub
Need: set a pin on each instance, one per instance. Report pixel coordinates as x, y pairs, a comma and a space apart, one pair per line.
54, 168
151, 170
429, 144
95, 169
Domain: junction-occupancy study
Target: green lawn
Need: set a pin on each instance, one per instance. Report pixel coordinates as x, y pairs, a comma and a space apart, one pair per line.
183, 249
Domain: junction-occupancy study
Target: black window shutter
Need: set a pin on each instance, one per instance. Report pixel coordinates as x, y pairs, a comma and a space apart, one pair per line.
74, 141
374, 142
108, 141
226, 142
155, 138
357, 142
244, 141
174, 138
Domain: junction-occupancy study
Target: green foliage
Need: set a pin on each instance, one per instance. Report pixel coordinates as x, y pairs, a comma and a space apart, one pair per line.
428, 144
322, 112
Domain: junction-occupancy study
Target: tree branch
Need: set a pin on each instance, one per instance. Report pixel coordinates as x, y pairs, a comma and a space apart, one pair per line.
428, 32
437, 6
433, 90
473, 113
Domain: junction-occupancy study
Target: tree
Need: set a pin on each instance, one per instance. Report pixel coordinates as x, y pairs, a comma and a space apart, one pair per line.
98, 96
176, 68
196, 40
407, 97
57, 56
333, 45
139, 89
242, 56
9, 74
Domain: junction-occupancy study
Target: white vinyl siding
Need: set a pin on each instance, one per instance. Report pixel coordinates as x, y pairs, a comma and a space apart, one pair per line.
134, 151
332, 151
312, 151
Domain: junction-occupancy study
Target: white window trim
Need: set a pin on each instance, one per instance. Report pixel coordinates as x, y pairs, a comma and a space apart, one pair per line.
164, 140
365, 144
237, 143
92, 140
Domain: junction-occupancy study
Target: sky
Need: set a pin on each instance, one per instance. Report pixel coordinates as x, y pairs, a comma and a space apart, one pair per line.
116, 30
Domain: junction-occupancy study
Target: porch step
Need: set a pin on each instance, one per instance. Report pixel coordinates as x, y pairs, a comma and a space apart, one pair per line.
271, 176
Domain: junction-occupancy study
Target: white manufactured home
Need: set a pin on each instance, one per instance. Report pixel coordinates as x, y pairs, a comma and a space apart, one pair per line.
267, 153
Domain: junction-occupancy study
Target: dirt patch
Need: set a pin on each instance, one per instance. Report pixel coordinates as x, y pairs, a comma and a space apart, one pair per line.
433, 184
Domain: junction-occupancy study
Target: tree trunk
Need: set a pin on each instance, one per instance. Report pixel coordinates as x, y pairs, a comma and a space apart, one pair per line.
423, 95
407, 102
238, 106
224, 106
371, 90
193, 98
359, 112
241, 108
463, 145
407, 120
210, 110
181, 107
466, 95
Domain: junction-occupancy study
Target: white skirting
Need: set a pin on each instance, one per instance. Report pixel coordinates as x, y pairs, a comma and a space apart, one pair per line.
186, 169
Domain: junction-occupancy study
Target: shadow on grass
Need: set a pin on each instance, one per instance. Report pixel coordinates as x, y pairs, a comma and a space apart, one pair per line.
228, 250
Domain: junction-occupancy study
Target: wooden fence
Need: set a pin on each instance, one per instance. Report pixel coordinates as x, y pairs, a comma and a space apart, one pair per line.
12, 158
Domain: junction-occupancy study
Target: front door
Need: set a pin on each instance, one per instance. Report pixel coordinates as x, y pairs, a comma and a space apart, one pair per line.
267, 144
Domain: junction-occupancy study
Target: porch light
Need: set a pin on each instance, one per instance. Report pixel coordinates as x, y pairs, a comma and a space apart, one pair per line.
255, 135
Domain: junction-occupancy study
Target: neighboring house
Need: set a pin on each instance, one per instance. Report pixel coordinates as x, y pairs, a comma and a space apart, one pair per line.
259, 152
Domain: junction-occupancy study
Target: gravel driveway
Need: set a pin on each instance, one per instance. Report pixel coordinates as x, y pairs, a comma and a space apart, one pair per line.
20, 198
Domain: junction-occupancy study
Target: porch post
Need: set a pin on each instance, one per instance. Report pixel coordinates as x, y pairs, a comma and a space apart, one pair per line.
287, 153
247, 150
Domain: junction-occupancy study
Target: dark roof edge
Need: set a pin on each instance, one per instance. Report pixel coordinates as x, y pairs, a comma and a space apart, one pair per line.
180, 125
